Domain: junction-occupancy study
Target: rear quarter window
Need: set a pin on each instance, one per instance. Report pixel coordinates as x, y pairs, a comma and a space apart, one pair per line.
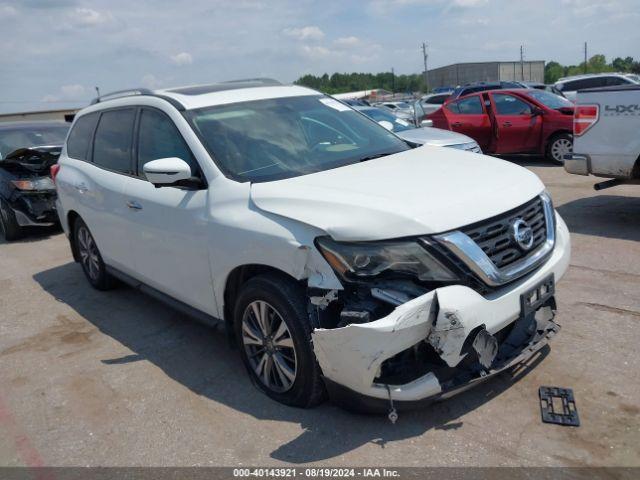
80, 136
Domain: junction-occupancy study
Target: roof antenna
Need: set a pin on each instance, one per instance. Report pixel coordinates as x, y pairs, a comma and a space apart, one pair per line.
97, 91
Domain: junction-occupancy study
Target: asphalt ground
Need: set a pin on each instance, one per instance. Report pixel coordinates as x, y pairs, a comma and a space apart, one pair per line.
117, 379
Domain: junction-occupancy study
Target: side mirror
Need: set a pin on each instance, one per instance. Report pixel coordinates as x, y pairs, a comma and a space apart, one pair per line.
167, 171
426, 123
536, 112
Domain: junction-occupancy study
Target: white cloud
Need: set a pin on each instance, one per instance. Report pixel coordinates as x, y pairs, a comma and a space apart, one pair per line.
315, 51
182, 58
7, 11
151, 81
347, 42
71, 92
87, 17
310, 32
469, 3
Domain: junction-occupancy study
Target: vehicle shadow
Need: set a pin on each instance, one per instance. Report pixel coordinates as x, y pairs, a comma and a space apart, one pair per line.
529, 160
34, 234
199, 358
611, 216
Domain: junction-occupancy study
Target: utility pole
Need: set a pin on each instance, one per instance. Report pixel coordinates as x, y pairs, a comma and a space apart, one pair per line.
425, 56
522, 63
585, 57
393, 81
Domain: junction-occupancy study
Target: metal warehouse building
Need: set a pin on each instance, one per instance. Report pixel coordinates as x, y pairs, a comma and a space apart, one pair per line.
463, 73
63, 115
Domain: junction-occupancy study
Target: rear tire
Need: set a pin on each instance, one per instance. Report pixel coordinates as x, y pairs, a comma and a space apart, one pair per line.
90, 257
274, 336
9, 226
559, 145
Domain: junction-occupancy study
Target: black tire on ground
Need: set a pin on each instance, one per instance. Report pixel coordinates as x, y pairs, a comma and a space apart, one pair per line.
8, 223
558, 145
90, 258
287, 299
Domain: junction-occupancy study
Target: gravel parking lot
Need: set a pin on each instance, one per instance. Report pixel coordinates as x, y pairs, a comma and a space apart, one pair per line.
116, 378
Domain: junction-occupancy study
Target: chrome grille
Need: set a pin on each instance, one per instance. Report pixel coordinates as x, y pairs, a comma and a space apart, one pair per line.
494, 237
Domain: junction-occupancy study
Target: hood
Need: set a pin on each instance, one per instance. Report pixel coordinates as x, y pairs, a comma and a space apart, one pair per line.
31, 159
434, 136
420, 191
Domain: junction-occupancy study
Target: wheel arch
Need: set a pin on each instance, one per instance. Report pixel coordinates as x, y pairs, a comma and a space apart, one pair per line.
72, 216
239, 276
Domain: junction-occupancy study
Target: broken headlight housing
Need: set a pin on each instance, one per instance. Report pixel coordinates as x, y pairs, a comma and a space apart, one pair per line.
33, 184
361, 260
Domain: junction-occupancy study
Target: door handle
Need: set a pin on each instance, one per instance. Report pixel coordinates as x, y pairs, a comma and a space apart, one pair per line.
133, 205
506, 124
457, 124
81, 187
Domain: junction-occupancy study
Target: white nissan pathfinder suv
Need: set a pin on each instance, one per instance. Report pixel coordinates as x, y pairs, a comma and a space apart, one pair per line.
344, 260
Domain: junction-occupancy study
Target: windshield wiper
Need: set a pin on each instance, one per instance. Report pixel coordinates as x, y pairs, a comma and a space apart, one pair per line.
377, 155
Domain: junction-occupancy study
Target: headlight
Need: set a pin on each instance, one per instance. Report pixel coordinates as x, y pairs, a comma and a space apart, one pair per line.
373, 258
41, 183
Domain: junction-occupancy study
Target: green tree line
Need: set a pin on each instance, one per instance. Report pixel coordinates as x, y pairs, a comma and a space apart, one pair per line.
352, 82
596, 64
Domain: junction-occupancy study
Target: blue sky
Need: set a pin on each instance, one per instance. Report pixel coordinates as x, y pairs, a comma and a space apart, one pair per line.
53, 52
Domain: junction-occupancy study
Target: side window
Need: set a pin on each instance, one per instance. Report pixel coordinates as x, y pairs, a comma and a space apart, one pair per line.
613, 81
594, 82
80, 136
510, 105
438, 99
158, 137
572, 86
467, 106
112, 144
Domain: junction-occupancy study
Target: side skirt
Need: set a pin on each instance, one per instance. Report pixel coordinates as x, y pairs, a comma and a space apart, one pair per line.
182, 307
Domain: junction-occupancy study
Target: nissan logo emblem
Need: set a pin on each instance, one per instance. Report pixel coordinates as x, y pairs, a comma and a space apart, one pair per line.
522, 234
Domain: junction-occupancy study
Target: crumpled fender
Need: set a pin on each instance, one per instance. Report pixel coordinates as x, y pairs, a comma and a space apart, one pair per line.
352, 355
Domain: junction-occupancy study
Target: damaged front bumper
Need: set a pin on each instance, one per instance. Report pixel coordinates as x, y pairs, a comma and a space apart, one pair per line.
449, 338
37, 209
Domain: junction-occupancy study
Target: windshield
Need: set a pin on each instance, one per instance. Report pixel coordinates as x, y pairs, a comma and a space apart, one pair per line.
280, 138
635, 78
549, 99
398, 125
24, 137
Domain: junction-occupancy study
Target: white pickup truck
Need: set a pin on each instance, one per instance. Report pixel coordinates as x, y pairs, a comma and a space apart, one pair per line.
606, 135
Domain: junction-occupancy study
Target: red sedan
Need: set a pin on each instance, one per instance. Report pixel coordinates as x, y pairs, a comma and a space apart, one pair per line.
512, 121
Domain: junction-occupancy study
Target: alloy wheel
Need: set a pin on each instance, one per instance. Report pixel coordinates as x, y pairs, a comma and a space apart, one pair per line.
88, 253
269, 346
561, 147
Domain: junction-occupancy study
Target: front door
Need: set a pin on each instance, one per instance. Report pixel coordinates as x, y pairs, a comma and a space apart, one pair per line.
169, 224
468, 116
518, 129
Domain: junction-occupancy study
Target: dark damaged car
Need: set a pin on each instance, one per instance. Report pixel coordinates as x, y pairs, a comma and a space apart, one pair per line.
27, 193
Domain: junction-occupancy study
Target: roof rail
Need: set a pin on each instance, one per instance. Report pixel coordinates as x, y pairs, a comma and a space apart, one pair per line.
262, 80
122, 93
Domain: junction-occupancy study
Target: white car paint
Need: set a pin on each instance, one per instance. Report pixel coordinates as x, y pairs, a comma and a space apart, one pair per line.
438, 137
186, 243
387, 198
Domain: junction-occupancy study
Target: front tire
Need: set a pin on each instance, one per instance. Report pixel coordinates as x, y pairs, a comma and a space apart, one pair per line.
90, 257
558, 147
274, 337
9, 226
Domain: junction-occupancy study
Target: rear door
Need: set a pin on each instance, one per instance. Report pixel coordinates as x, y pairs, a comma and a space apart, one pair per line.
517, 129
468, 116
100, 189
169, 224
